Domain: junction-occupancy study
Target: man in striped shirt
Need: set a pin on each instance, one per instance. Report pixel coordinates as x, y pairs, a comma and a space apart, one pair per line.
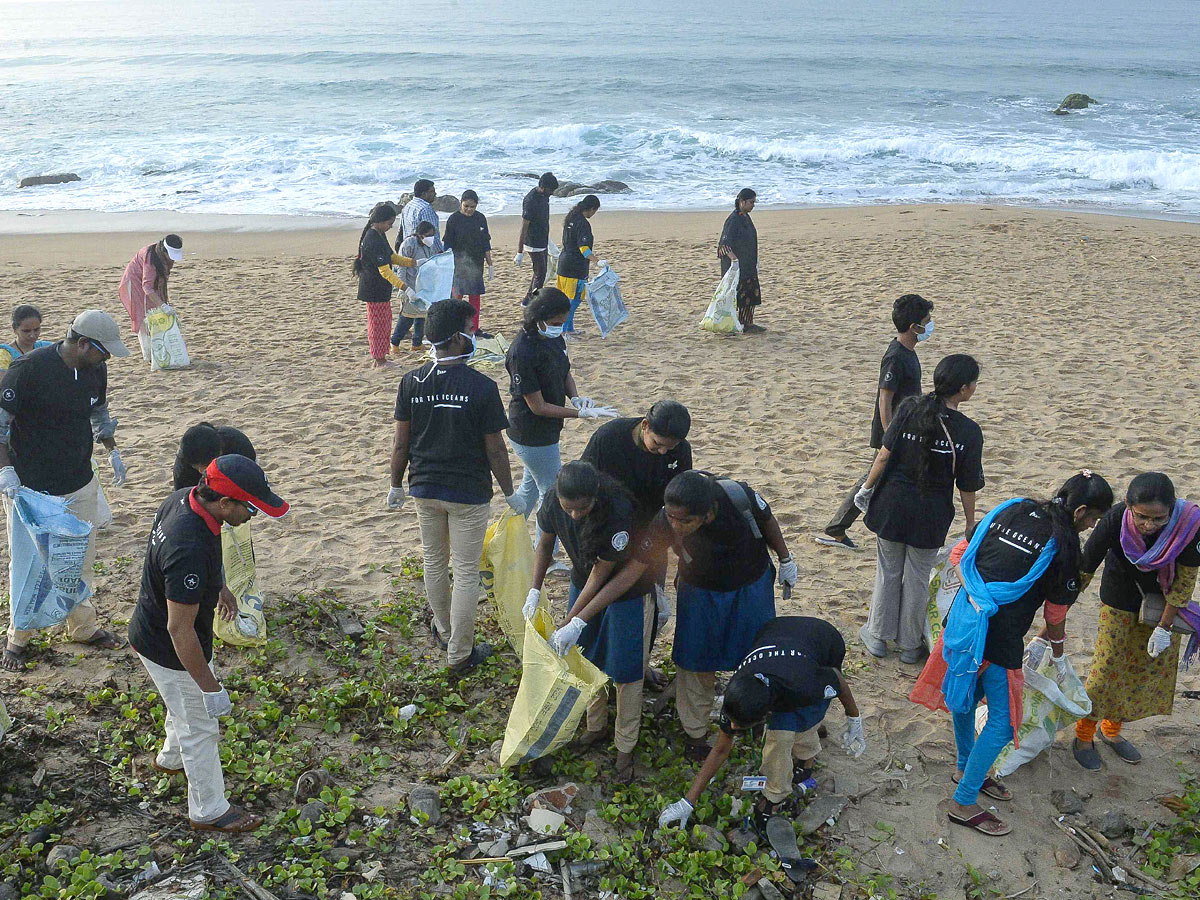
420, 209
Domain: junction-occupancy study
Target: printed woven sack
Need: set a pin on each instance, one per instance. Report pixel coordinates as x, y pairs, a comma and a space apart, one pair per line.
48, 549
167, 348
506, 570
554, 693
604, 300
552, 255
721, 316
249, 626
435, 278
943, 587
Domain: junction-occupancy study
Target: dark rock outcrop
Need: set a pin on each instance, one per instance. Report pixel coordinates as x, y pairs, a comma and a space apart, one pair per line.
35, 180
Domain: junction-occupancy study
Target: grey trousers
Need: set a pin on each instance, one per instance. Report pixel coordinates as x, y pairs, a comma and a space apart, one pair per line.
901, 598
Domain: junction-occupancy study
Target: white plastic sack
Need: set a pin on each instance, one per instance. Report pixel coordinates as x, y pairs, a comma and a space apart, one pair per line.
48, 549
1049, 708
943, 588
414, 310
552, 254
721, 315
604, 300
435, 278
167, 348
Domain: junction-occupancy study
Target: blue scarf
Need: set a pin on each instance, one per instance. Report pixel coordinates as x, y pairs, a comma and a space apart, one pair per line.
975, 603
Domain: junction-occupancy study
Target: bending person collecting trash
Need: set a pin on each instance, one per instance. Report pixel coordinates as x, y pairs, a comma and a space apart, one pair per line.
593, 517
790, 675
144, 284
1024, 554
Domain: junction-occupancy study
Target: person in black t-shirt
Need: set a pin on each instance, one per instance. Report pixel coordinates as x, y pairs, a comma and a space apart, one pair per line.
899, 379
373, 266
449, 438
1011, 550
468, 236
593, 517
203, 443
543, 394
739, 243
53, 403
534, 238
578, 254
172, 628
788, 678
908, 498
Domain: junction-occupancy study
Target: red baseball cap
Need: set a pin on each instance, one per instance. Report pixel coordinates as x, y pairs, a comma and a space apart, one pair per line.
240, 478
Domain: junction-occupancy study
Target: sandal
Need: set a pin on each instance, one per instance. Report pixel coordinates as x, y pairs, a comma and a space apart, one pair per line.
103, 640
235, 821
157, 768
992, 787
979, 820
14, 658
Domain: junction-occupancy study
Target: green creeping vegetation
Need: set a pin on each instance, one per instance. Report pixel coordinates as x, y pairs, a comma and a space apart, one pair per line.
1182, 838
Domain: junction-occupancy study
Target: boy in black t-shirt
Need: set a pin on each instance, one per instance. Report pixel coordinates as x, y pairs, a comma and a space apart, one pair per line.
899, 377
535, 232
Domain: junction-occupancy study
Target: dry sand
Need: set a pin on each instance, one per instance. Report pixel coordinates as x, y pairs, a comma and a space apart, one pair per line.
1083, 324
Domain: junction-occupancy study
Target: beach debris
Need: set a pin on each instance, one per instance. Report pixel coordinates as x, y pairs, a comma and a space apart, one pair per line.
768, 890
1183, 865
1074, 101
539, 863
407, 712
425, 799
311, 783
62, 853
1066, 802
544, 821
827, 890
530, 849
351, 626
824, 809
558, 798
36, 180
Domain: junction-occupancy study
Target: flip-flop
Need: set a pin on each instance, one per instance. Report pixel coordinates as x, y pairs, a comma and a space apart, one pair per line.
235, 821
14, 660
977, 820
157, 768
104, 640
991, 787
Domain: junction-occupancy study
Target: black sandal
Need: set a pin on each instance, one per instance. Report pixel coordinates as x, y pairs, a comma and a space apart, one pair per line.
14, 658
103, 640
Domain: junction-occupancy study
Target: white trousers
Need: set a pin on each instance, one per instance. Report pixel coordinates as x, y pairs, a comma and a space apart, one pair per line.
192, 743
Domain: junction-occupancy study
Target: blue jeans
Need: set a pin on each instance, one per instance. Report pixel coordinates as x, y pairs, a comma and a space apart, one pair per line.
976, 755
403, 324
569, 325
541, 468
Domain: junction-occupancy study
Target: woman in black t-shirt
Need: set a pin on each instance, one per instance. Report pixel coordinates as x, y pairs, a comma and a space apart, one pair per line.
542, 394
203, 443
468, 236
578, 252
592, 514
373, 266
908, 498
739, 244
1017, 537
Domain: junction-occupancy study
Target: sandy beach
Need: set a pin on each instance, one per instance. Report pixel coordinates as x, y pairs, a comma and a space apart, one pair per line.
1082, 325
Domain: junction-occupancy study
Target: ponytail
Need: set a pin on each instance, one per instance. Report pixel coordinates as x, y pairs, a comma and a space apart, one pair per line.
381, 212
924, 414
744, 194
1083, 489
591, 201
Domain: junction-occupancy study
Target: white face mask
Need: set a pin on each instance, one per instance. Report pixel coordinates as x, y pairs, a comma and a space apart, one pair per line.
467, 355
550, 331
427, 241
927, 333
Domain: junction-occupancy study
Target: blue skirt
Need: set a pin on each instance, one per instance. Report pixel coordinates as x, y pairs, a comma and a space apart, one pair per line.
802, 719
715, 630
612, 641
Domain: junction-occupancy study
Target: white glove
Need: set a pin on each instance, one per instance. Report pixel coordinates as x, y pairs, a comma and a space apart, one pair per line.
1037, 652
519, 259
787, 576
596, 412
512, 501
532, 599
1061, 667
218, 704
853, 738
9, 482
489, 275
583, 402
396, 498
663, 602
863, 498
567, 637
677, 813
411, 296
118, 466
1159, 641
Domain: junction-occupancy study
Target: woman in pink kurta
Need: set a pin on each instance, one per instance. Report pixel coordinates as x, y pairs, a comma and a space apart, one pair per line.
144, 284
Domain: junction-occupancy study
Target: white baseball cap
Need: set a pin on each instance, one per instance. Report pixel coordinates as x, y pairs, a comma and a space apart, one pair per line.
174, 245
100, 328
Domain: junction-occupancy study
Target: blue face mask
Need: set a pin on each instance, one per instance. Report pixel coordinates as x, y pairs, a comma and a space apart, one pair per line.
550, 331
927, 333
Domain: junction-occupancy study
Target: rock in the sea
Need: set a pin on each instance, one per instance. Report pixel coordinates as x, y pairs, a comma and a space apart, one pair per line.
565, 188
1066, 802
35, 180
446, 203
611, 186
63, 853
424, 798
1074, 101
520, 175
403, 201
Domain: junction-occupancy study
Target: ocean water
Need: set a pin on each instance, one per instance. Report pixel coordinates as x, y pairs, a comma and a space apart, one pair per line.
304, 107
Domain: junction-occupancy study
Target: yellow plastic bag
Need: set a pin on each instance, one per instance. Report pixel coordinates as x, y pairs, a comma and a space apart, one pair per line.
507, 572
554, 693
167, 348
249, 626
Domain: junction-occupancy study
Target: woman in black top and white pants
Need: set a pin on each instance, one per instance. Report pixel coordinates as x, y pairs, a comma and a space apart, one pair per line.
908, 498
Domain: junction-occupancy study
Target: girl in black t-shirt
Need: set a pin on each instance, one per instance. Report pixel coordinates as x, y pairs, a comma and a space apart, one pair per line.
468, 236
592, 514
373, 266
203, 443
578, 252
908, 498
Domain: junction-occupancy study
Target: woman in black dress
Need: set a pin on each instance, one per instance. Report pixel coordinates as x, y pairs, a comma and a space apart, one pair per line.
739, 243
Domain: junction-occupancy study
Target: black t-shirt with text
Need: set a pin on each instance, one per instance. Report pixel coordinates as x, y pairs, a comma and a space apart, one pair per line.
614, 450
577, 233
535, 209
613, 542
183, 565
450, 408
51, 405
797, 657
903, 512
469, 238
373, 253
536, 364
899, 371
1006, 553
723, 555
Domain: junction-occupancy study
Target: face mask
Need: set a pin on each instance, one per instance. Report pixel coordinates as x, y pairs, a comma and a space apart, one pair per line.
550, 331
427, 241
927, 333
467, 355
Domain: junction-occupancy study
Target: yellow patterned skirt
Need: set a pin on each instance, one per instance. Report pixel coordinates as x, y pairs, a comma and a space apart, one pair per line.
1125, 684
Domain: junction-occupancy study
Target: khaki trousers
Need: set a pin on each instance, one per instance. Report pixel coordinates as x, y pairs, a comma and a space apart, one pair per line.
780, 750
694, 692
629, 696
453, 531
81, 622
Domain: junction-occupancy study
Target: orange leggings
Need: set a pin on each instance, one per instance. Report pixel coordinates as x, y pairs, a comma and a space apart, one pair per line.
1085, 729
